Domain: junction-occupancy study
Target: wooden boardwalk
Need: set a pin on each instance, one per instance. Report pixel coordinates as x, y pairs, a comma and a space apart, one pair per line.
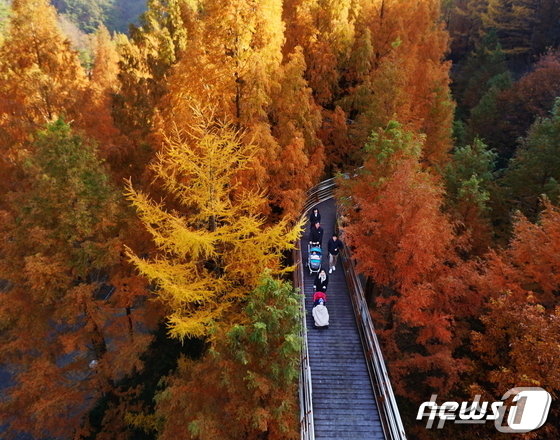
344, 404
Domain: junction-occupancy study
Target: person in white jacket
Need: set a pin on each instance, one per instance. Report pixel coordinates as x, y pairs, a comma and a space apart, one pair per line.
321, 315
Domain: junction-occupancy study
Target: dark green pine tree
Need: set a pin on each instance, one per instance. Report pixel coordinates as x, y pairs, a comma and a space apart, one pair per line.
535, 169
472, 79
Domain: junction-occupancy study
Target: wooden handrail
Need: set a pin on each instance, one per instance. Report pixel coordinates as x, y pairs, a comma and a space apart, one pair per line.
386, 402
305, 389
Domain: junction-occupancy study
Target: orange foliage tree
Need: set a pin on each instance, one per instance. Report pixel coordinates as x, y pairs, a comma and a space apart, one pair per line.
146, 57
325, 31
61, 233
529, 265
145, 61
407, 79
96, 117
518, 342
403, 241
235, 61
40, 77
371, 62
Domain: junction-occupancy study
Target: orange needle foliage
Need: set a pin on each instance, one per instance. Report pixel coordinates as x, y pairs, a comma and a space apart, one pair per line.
60, 232
235, 61
40, 77
378, 60
529, 265
408, 80
403, 241
96, 118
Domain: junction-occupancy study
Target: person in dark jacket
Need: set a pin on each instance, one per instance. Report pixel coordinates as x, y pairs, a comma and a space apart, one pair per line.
314, 218
321, 281
334, 247
316, 236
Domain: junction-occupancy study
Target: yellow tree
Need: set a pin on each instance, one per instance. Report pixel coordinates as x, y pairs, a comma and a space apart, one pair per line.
213, 246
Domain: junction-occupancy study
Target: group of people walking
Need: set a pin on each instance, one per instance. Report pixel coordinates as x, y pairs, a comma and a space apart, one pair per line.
334, 246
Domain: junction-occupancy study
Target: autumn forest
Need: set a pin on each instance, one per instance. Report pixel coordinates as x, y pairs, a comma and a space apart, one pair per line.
153, 176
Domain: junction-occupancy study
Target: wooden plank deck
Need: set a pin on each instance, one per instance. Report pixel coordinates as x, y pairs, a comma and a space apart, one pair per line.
344, 404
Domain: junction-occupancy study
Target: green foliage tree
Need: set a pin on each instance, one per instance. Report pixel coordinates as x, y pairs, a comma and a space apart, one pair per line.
535, 169
470, 183
87, 15
246, 386
487, 112
70, 195
473, 76
471, 169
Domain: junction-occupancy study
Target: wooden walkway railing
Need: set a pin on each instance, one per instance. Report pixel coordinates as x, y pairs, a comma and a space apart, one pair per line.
389, 411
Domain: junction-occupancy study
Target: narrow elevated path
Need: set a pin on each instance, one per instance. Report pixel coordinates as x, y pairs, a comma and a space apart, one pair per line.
344, 403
